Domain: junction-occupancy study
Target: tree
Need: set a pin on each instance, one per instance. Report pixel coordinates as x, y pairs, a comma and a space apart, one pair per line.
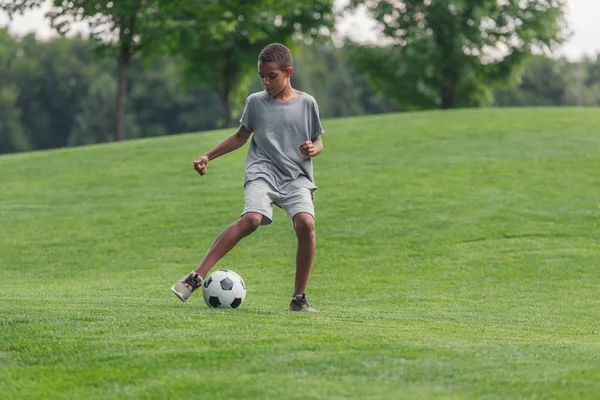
93, 123
12, 132
583, 88
225, 55
543, 82
121, 28
164, 105
593, 70
446, 53
554, 82
53, 77
323, 70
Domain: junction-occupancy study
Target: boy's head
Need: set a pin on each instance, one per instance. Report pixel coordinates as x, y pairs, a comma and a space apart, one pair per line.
276, 53
275, 68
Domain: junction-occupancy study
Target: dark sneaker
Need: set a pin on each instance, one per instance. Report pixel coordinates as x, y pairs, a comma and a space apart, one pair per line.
186, 286
299, 303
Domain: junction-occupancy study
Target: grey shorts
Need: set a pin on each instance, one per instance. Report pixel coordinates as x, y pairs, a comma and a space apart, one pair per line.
260, 196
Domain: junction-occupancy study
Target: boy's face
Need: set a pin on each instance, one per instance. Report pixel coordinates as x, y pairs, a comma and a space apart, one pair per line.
273, 78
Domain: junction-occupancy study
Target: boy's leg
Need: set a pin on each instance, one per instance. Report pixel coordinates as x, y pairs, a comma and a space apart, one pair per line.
299, 206
226, 241
304, 225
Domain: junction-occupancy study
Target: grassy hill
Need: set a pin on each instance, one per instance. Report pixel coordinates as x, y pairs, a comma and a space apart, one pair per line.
458, 258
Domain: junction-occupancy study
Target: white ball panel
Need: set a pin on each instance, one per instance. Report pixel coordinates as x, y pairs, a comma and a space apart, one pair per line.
238, 290
214, 288
234, 277
226, 297
219, 275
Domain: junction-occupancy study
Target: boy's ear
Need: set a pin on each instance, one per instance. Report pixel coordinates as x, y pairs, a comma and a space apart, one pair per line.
289, 71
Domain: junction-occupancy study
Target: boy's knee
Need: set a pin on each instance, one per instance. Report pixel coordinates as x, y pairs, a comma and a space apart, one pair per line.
250, 222
304, 224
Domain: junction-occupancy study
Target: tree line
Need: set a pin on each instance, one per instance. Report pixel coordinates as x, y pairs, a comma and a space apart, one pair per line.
58, 93
160, 67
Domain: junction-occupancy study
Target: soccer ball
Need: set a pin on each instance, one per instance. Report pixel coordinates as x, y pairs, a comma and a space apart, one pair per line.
224, 289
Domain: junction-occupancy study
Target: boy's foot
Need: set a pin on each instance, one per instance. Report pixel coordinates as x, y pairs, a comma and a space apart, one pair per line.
299, 303
186, 286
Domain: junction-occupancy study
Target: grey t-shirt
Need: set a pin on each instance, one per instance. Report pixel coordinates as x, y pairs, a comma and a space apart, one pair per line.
279, 129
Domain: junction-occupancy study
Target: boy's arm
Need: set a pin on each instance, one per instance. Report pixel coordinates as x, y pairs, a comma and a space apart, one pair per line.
230, 144
312, 149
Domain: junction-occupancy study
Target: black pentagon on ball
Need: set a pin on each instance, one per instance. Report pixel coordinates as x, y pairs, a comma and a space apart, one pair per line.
236, 303
226, 284
214, 301
208, 281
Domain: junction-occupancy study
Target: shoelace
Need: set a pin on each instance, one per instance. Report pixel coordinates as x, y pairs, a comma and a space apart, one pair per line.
193, 282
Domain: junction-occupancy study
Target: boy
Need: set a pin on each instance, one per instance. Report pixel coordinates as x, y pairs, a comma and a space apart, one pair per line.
287, 134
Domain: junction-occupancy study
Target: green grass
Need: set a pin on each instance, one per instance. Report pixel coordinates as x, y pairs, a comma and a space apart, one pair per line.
458, 258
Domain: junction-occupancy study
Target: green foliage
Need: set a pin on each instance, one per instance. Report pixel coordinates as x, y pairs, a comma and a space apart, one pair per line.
57, 93
546, 81
445, 53
53, 88
593, 70
130, 24
583, 87
122, 29
323, 70
164, 104
12, 132
542, 83
48, 80
457, 259
94, 122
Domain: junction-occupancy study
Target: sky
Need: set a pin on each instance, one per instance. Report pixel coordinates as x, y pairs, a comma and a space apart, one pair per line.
583, 17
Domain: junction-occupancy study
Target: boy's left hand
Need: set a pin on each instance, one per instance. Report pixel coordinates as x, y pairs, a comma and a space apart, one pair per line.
307, 149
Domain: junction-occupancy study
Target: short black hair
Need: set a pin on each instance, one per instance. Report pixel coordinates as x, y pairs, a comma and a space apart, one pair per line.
278, 53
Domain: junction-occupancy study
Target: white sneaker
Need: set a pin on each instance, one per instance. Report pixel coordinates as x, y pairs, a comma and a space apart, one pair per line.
187, 285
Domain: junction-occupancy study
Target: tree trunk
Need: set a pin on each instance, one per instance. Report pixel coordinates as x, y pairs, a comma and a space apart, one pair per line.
224, 97
448, 100
123, 62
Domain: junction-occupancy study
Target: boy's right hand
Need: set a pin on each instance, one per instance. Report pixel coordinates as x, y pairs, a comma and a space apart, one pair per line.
200, 165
